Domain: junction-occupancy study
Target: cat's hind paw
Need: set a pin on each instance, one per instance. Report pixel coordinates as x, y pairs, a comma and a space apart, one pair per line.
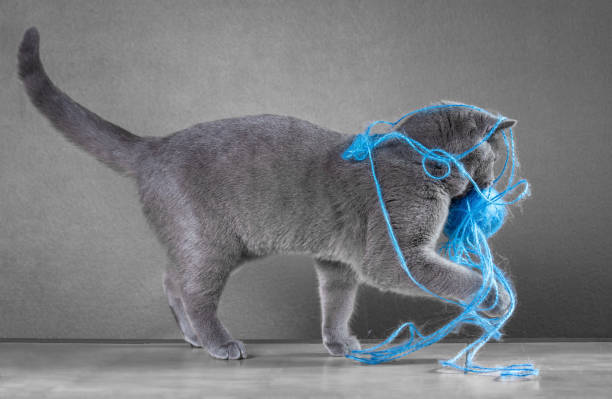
231, 350
343, 346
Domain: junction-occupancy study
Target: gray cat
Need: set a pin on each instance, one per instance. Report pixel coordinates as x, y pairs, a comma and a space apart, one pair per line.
223, 192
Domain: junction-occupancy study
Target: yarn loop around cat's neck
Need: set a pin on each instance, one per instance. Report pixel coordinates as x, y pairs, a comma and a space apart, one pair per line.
471, 220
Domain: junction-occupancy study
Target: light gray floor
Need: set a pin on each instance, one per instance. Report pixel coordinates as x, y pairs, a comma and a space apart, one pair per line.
45, 370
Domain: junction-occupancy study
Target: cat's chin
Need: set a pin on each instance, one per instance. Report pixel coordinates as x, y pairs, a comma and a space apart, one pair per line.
482, 185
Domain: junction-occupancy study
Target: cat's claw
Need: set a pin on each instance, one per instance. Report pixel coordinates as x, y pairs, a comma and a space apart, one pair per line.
231, 350
343, 346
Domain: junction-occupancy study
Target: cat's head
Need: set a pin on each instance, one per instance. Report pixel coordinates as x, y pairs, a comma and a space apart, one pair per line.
457, 129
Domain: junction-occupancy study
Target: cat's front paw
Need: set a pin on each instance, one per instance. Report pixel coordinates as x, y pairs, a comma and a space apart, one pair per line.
342, 346
231, 350
502, 306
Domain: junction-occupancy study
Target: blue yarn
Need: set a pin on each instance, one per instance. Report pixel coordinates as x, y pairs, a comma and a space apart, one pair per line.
487, 216
471, 220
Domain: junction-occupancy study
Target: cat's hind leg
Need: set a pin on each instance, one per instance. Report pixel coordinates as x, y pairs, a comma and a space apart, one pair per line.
337, 288
203, 251
205, 269
175, 302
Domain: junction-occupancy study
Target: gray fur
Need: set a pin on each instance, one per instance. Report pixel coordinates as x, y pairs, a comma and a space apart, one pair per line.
223, 192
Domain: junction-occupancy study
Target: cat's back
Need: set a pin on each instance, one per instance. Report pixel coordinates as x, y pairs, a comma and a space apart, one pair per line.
256, 132
254, 150
260, 174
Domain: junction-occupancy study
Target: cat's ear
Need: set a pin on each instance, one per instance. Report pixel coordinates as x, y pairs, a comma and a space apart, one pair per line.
506, 124
495, 140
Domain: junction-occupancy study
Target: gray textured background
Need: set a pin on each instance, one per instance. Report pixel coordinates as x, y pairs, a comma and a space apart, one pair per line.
77, 258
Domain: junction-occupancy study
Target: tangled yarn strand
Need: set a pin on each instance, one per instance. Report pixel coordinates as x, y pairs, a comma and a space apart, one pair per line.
471, 221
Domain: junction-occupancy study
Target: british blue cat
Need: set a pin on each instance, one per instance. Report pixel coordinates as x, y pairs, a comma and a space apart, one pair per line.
223, 192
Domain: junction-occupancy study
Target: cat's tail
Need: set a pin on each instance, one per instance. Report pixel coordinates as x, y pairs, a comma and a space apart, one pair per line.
111, 144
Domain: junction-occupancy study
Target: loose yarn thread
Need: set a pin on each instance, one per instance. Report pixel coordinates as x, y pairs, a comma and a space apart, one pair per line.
471, 221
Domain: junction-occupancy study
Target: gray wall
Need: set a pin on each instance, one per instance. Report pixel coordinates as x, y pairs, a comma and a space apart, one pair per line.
77, 258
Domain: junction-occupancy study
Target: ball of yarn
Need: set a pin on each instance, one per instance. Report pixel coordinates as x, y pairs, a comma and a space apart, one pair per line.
473, 209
